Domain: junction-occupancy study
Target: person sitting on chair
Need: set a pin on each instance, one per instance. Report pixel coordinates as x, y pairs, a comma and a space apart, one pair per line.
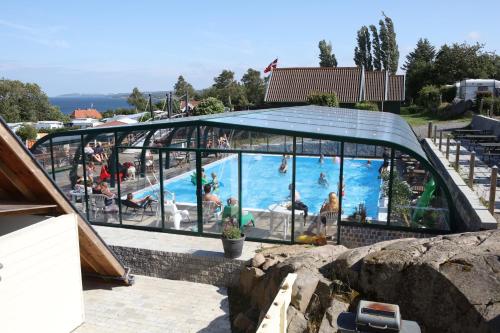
298, 204
207, 188
141, 203
332, 205
107, 192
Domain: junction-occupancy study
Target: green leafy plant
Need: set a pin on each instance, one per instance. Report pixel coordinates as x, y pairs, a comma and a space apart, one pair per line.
400, 196
429, 97
323, 99
210, 105
26, 132
448, 93
365, 105
231, 230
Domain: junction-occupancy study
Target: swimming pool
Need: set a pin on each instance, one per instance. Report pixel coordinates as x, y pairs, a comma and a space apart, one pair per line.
263, 185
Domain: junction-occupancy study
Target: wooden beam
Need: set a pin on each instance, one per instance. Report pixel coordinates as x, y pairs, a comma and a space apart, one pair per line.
15, 208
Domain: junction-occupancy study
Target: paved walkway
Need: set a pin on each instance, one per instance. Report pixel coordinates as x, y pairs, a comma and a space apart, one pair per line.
154, 305
482, 173
159, 241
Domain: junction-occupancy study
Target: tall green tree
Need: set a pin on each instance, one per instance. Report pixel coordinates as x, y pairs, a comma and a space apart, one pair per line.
26, 102
182, 87
419, 67
362, 52
229, 91
254, 87
391, 51
326, 57
137, 99
377, 51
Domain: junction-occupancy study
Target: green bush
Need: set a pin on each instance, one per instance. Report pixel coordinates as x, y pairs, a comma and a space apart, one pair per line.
209, 105
231, 230
365, 105
429, 97
448, 93
491, 104
26, 132
324, 99
480, 95
443, 110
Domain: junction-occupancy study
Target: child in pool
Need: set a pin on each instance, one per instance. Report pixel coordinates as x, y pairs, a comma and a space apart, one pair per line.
322, 179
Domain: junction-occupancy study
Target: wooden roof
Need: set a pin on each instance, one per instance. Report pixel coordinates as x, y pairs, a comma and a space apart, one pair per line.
351, 84
26, 189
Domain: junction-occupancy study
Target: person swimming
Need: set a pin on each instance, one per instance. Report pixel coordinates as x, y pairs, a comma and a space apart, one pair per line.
368, 163
321, 158
283, 167
322, 179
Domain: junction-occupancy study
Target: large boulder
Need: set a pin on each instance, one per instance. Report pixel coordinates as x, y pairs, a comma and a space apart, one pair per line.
446, 283
329, 322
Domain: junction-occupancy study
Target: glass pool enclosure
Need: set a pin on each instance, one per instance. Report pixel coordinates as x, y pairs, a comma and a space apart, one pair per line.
277, 173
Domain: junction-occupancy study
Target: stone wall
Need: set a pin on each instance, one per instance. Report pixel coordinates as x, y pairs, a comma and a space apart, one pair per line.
354, 236
200, 268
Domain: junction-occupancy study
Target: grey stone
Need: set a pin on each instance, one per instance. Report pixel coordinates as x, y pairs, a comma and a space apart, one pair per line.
297, 322
303, 289
329, 322
248, 279
258, 260
269, 263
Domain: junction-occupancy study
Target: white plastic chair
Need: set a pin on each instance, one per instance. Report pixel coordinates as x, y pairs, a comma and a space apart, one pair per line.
174, 213
98, 202
331, 218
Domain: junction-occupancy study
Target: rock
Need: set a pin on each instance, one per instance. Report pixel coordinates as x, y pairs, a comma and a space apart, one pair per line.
329, 322
269, 263
303, 289
297, 322
248, 279
447, 283
258, 260
243, 323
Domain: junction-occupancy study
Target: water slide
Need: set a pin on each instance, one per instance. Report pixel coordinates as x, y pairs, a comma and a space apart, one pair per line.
424, 200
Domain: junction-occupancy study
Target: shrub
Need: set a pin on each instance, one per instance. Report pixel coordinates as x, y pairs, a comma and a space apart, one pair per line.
231, 230
365, 105
26, 132
443, 110
491, 104
210, 105
480, 95
429, 97
448, 93
324, 99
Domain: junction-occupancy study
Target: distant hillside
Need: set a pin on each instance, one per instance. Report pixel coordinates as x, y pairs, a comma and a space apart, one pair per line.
154, 94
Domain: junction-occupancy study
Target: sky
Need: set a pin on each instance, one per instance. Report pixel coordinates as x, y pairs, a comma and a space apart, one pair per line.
112, 46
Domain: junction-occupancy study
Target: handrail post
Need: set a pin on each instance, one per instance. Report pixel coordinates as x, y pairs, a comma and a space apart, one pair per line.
440, 139
435, 133
457, 156
472, 163
429, 130
493, 189
447, 146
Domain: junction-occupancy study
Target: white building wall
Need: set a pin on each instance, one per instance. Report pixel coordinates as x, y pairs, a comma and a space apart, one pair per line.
40, 286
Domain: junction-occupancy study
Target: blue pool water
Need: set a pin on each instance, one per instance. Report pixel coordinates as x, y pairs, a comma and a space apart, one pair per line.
263, 185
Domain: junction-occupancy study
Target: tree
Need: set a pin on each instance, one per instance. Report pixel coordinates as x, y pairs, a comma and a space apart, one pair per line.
26, 132
362, 52
26, 102
391, 51
228, 90
419, 66
224, 80
182, 87
326, 57
254, 87
210, 105
377, 51
137, 100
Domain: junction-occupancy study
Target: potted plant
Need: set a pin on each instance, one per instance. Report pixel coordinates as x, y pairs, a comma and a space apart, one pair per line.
232, 239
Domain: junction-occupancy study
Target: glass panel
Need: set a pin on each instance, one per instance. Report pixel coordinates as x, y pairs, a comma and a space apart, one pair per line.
179, 191
219, 179
363, 198
265, 195
316, 184
416, 199
139, 187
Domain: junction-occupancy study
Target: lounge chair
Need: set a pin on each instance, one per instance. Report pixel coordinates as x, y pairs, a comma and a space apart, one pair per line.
232, 211
331, 219
136, 206
211, 212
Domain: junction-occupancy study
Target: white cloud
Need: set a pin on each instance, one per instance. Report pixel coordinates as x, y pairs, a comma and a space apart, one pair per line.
473, 35
41, 35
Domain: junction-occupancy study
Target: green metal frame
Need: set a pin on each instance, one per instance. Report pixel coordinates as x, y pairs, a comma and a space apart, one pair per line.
221, 123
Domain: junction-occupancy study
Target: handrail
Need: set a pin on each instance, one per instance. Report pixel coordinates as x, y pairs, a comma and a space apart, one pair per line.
275, 318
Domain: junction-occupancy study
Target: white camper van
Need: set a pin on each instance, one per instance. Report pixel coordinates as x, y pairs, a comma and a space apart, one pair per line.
467, 89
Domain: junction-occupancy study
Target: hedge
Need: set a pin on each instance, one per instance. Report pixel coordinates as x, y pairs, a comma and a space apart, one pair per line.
365, 105
324, 99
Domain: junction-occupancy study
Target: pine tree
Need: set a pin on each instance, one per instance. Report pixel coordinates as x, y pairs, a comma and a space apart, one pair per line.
419, 67
377, 51
326, 57
362, 52
424, 52
182, 87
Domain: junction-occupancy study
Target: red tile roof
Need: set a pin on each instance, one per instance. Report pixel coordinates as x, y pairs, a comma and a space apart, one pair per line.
290, 85
86, 113
112, 123
294, 85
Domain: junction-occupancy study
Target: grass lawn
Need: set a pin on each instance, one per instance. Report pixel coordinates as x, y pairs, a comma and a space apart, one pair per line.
419, 119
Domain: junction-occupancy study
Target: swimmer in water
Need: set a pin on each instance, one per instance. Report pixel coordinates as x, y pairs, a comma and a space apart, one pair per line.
322, 179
